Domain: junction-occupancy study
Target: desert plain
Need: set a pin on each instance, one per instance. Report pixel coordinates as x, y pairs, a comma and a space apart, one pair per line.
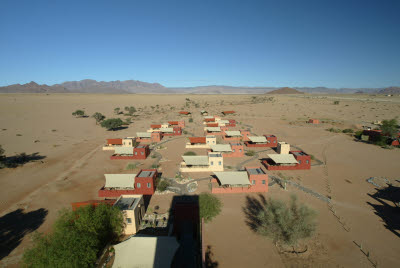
358, 228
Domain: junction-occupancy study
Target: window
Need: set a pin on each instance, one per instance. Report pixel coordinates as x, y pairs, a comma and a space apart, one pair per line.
307, 161
135, 153
142, 153
129, 220
233, 150
138, 185
212, 163
148, 185
299, 161
219, 163
263, 181
240, 150
208, 142
253, 182
274, 141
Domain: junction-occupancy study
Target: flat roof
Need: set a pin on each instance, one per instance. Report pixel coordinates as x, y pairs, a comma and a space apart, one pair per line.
143, 134
167, 129
123, 150
233, 133
283, 158
127, 203
255, 171
233, 177
258, 139
214, 129
196, 160
120, 180
215, 155
298, 153
221, 148
146, 174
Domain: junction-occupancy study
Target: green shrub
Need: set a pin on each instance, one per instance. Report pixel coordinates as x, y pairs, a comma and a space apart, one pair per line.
335, 130
190, 153
154, 166
336, 102
112, 123
131, 166
162, 184
286, 224
98, 117
79, 113
358, 134
210, 206
250, 153
77, 238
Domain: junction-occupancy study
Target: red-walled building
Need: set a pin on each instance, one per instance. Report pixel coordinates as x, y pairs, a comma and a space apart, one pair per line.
184, 113
245, 134
228, 112
155, 126
147, 137
111, 142
139, 152
209, 120
179, 123
176, 131
93, 203
212, 124
253, 179
120, 184
295, 160
313, 121
262, 141
232, 123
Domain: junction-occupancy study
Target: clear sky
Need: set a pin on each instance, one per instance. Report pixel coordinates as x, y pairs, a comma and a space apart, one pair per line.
331, 43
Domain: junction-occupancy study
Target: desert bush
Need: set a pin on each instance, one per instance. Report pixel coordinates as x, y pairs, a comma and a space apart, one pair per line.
79, 113
112, 123
210, 206
131, 166
336, 102
77, 238
98, 117
117, 110
190, 153
250, 153
190, 120
130, 110
162, 184
389, 127
347, 130
358, 134
154, 166
335, 130
286, 224
185, 132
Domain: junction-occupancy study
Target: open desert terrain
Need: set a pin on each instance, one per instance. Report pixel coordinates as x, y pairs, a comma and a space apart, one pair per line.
69, 166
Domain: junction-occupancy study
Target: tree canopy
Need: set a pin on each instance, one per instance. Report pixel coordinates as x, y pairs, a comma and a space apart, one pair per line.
98, 117
79, 113
210, 206
389, 127
77, 238
286, 224
112, 123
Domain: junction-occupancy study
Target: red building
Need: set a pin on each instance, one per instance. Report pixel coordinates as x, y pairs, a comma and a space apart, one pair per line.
295, 160
253, 179
155, 136
209, 119
111, 142
119, 184
176, 131
313, 121
232, 123
262, 141
245, 134
184, 113
93, 203
155, 126
179, 123
139, 152
228, 112
212, 124
197, 140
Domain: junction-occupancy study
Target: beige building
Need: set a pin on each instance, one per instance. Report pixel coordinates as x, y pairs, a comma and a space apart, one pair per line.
283, 148
202, 163
201, 142
125, 142
132, 207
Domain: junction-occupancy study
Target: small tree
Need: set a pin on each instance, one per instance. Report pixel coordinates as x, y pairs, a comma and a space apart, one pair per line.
162, 184
116, 110
250, 153
79, 113
210, 206
286, 224
389, 127
112, 123
98, 117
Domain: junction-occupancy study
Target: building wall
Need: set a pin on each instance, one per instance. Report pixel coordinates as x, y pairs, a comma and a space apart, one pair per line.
197, 146
283, 148
226, 138
108, 148
235, 190
156, 136
248, 144
304, 161
136, 216
237, 151
295, 167
245, 135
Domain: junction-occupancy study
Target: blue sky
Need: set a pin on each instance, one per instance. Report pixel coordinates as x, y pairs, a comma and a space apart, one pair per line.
187, 43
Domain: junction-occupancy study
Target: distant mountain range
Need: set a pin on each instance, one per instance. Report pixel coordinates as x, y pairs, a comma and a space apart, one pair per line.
136, 87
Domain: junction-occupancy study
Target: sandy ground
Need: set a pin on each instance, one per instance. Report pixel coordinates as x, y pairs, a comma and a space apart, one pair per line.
74, 164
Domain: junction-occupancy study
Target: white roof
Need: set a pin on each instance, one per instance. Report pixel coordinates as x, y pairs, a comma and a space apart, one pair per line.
221, 148
214, 129
258, 139
120, 180
283, 158
208, 117
143, 134
223, 121
233, 133
123, 150
167, 129
196, 160
141, 251
233, 177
